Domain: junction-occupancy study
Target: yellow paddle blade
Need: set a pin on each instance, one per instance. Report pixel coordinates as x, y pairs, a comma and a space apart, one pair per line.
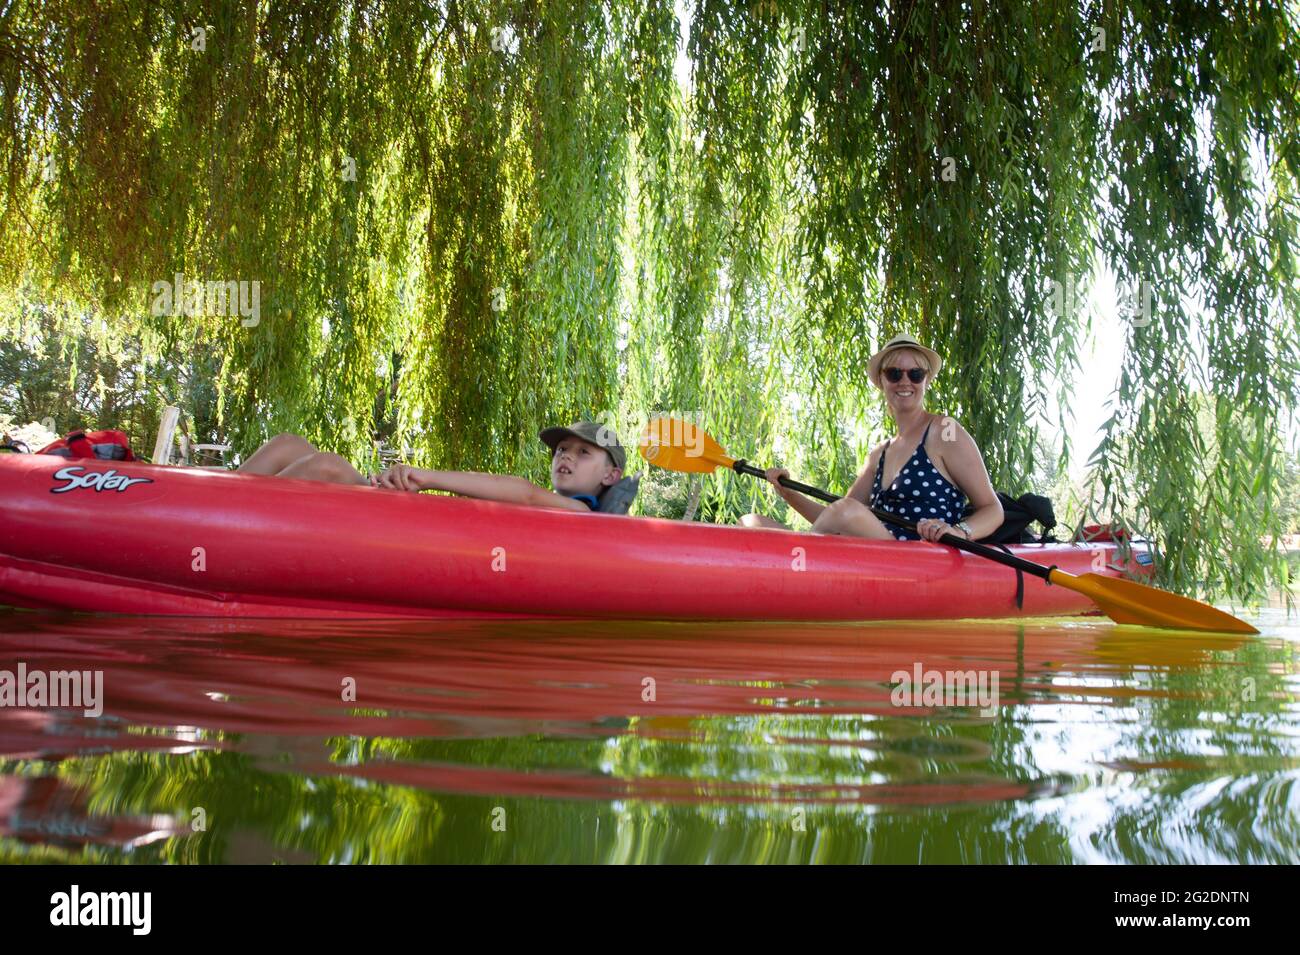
681, 446
1126, 601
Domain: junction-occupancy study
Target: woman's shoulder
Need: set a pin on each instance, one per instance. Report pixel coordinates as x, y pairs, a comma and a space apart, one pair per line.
948, 438
869, 465
874, 455
944, 427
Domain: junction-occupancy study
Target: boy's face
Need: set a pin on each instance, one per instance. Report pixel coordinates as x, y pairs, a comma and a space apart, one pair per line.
579, 467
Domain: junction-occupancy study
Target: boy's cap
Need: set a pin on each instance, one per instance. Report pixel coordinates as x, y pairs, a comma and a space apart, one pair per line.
590, 432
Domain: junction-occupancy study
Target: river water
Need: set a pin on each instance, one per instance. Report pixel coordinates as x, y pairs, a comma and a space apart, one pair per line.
579, 741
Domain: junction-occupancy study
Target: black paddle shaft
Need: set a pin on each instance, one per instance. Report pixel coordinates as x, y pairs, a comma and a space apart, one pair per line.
961, 543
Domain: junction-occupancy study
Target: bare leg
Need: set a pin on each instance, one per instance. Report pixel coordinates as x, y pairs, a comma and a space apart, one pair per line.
851, 518
277, 454
760, 520
323, 466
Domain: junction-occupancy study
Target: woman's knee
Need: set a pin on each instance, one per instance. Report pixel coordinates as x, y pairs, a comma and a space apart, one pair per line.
837, 514
761, 520
837, 511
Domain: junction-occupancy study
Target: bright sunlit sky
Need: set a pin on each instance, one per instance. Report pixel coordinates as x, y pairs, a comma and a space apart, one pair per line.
1098, 375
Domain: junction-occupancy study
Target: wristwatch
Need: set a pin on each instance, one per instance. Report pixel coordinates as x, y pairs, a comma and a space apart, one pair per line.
965, 529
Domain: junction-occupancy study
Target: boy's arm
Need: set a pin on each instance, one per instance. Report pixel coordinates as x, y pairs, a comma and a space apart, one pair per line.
488, 487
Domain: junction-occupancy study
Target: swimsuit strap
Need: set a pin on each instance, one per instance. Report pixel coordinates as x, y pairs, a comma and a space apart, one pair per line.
880, 465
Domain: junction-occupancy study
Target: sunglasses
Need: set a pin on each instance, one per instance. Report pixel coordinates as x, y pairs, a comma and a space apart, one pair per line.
895, 375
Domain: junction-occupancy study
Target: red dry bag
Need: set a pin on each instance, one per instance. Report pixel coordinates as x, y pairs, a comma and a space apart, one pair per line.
105, 445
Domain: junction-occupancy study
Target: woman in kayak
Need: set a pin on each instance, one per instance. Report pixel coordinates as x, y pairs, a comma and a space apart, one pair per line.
929, 484
586, 459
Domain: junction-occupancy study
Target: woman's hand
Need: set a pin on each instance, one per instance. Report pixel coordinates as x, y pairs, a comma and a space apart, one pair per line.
774, 475
931, 529
400, 477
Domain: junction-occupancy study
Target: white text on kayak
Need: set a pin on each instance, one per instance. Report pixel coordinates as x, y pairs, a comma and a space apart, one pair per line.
108, 480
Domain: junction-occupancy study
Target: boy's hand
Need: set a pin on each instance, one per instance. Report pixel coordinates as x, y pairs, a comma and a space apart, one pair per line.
400, 477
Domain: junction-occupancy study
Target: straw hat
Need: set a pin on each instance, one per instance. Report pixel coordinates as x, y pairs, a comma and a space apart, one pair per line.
893, 345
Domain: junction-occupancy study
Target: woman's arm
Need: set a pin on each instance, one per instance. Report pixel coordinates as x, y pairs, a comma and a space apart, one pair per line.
962, 460
861, 489
805, 507
809, 509
488, 487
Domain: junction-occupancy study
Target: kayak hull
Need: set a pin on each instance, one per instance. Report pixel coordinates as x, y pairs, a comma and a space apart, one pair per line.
116, 537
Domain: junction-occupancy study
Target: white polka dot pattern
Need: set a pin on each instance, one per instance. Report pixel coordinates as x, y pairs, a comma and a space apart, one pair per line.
945, 501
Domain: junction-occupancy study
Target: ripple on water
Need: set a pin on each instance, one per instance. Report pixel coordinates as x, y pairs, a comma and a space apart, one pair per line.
421, 741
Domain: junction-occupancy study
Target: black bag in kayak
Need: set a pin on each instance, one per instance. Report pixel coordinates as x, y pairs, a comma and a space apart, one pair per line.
1017, 514
617, 498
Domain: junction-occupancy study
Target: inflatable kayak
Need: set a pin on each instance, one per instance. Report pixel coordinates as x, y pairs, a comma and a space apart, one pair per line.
124, 537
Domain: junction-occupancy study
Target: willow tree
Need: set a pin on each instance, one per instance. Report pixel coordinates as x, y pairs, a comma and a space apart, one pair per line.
467, 219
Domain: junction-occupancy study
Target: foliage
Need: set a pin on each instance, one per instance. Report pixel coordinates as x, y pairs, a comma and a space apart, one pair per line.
544, 223
62, 372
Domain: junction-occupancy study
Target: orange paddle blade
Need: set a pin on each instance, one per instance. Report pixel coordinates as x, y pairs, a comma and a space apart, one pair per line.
681, 446
1126, 601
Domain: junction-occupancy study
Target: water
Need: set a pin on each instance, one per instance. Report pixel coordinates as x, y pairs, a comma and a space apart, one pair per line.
650, 742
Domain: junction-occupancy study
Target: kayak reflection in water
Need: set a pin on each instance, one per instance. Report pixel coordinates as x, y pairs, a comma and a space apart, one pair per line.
930, 484
586, 460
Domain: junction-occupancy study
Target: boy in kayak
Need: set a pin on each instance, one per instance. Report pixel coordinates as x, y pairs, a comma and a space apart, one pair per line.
586, 460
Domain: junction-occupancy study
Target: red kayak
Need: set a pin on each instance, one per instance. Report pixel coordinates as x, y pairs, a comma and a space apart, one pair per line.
119, 537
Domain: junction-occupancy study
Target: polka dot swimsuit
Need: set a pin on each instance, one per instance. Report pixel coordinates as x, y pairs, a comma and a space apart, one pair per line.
918, 491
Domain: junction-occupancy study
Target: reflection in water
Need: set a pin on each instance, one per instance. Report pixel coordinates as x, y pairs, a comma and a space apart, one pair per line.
509, 741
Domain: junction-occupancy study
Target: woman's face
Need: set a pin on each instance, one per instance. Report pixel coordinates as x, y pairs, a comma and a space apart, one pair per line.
904, 395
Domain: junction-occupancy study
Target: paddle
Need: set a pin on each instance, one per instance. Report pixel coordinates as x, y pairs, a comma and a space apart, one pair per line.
680, 446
